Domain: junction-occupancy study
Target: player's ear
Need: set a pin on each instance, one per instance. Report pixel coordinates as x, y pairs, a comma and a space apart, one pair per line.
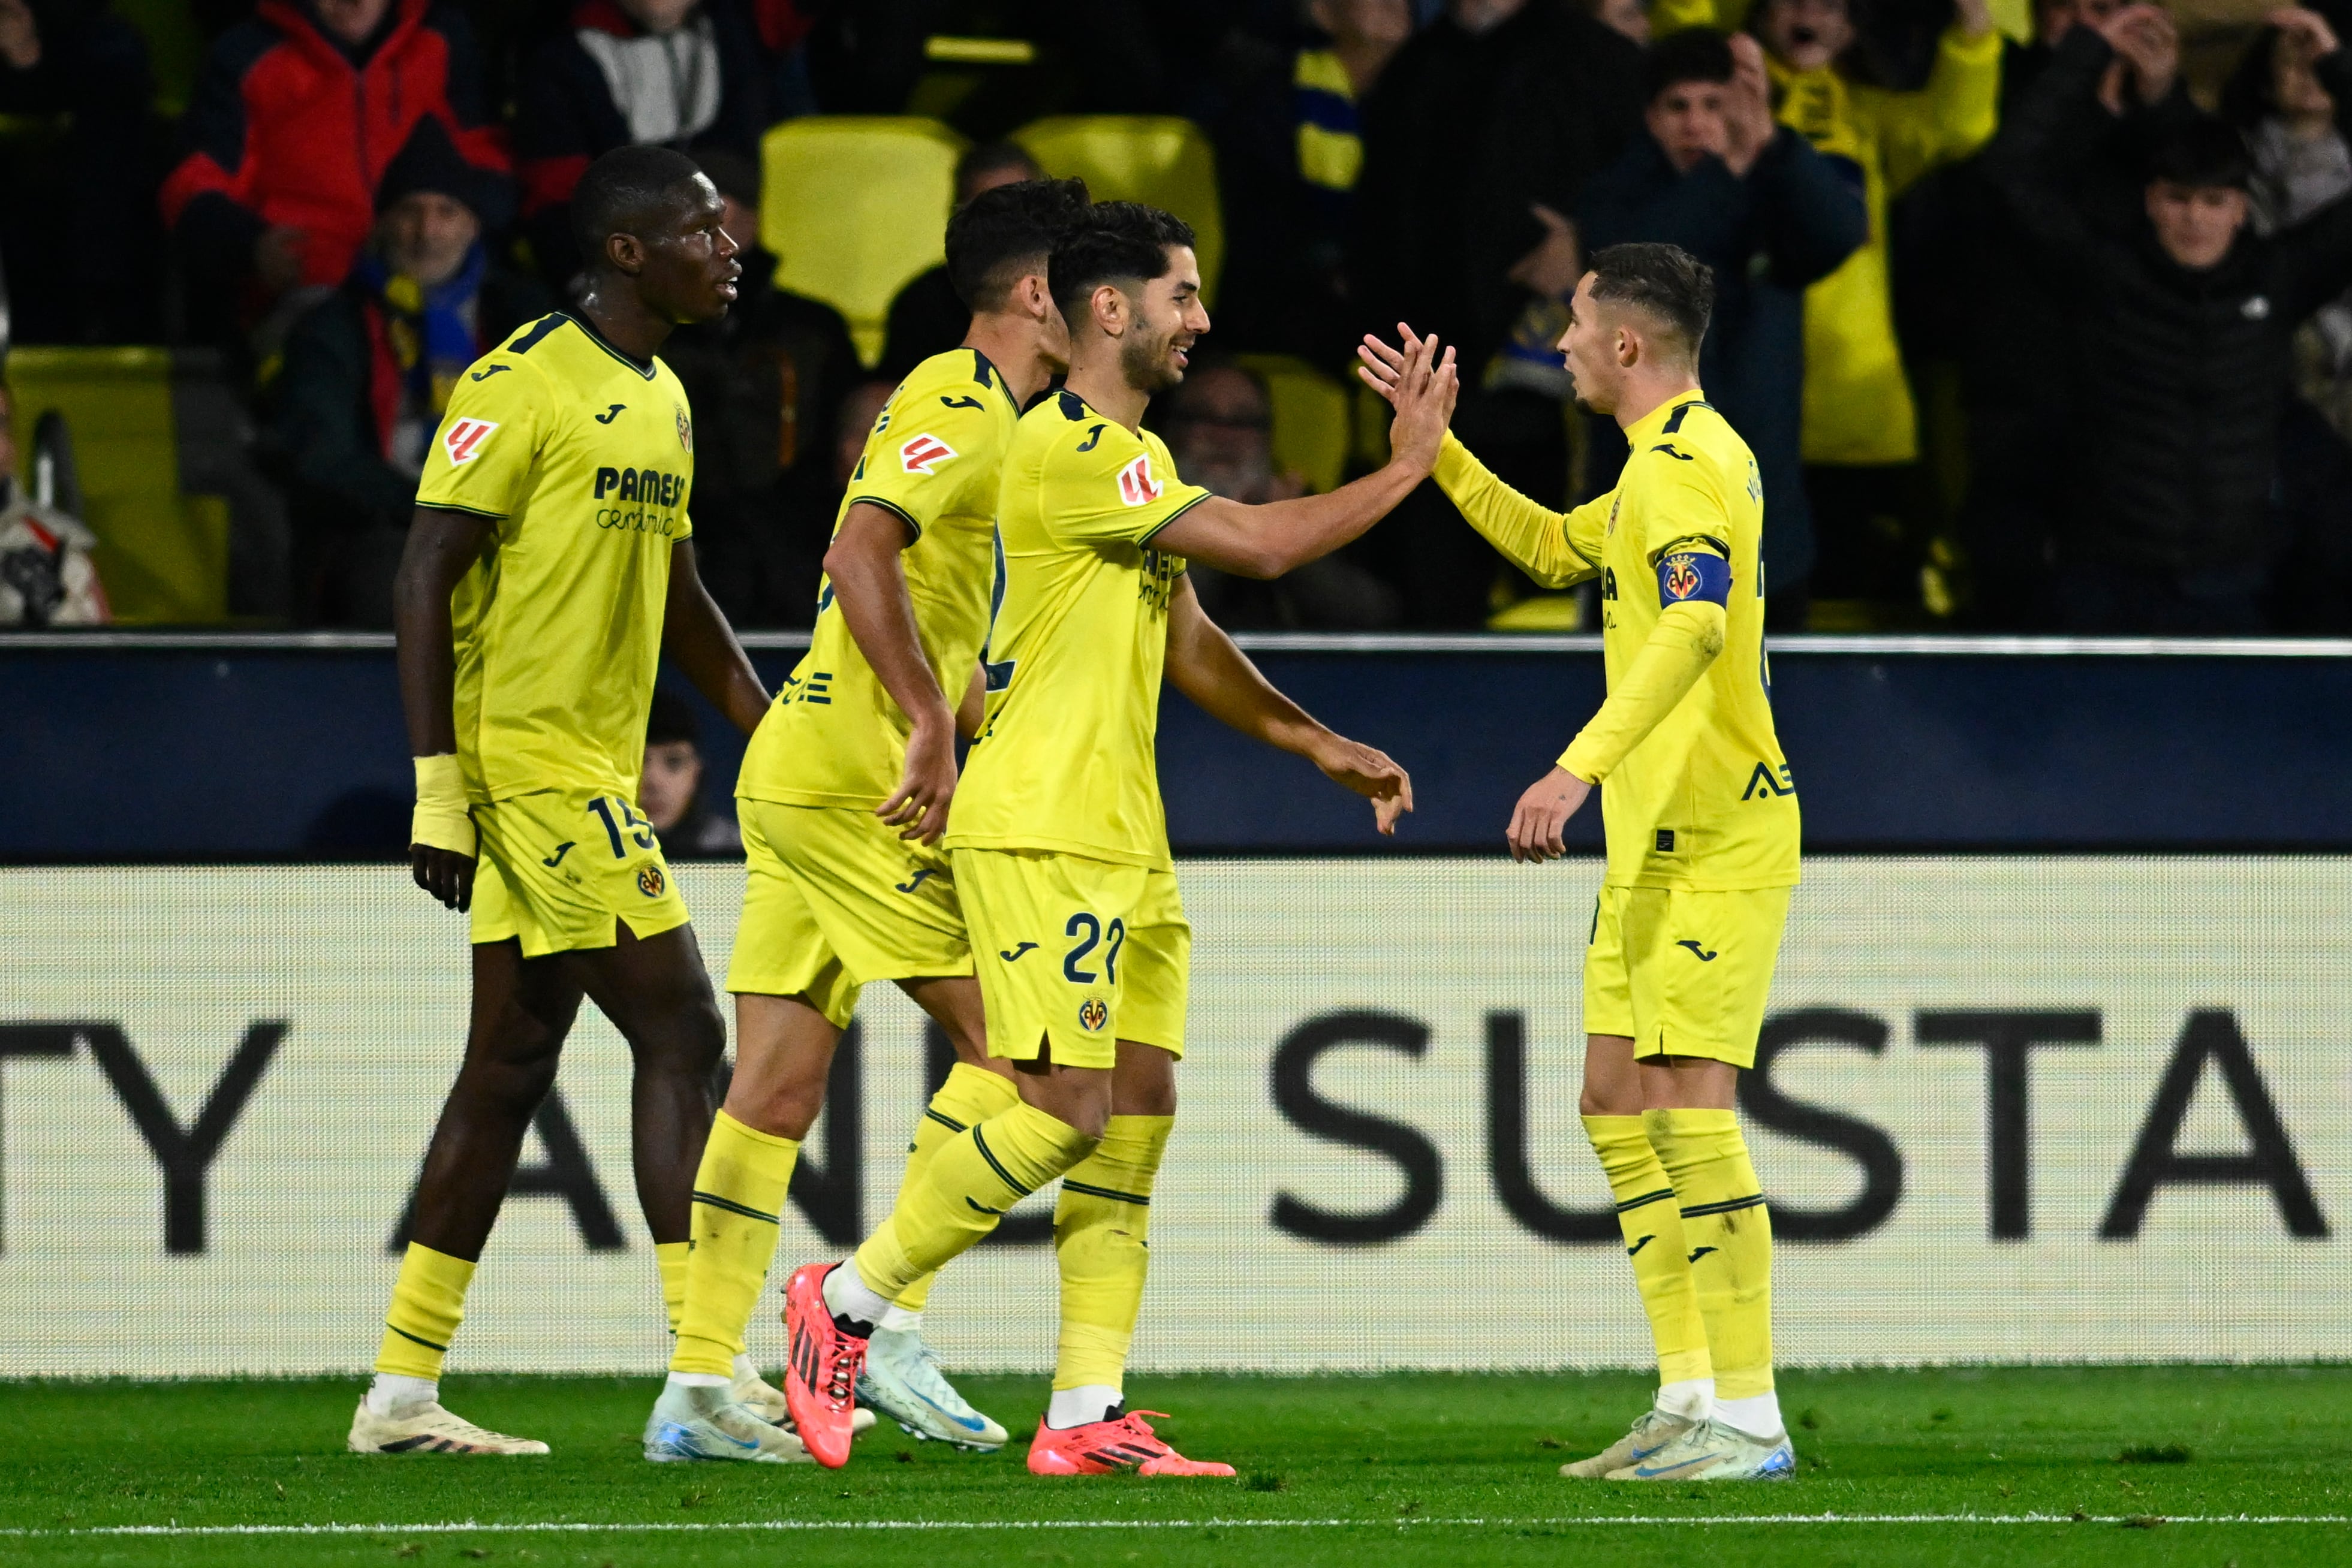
625, 252
1109, 304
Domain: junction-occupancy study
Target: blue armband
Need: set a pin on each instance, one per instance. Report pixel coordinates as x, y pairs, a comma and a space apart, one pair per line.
1686, 577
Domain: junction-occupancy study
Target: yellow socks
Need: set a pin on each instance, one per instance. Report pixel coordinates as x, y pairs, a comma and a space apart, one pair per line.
971, 1095
1729, 1238
972, 1180
429, 1301
1652, 1227
669, 1258
1100, 1229
739, 1195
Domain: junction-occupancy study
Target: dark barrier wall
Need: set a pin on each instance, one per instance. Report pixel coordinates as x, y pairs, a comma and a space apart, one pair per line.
121, 746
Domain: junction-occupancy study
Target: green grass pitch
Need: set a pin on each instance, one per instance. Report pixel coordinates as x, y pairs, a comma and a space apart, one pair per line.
2186, 1465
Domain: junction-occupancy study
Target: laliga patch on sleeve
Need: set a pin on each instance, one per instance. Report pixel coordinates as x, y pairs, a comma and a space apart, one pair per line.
1137, 488
1688, 576
924, 453
464, 438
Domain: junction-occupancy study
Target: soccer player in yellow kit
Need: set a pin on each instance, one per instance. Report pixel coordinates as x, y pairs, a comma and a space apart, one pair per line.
843, 796
1060, 845
1701, 818
549, 566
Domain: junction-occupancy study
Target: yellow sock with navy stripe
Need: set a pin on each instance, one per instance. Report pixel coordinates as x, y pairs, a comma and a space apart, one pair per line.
429, 1301
1730, 1236
969, 1096
1652, 1223
1102, 1229
973, 1178
739, 1199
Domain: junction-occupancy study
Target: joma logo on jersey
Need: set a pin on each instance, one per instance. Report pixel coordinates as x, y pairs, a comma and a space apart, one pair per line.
1137, 488
924, 453
464, 439
650, 486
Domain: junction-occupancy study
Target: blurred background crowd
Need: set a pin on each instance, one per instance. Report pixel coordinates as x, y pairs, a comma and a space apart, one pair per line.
2037, 318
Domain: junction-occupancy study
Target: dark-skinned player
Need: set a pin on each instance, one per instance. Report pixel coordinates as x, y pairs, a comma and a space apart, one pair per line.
549, 568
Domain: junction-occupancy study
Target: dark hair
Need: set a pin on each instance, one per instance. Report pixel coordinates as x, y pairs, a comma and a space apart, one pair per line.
1695, 54
993, 237
1662, 282
989, 157
1114, 241
736, 173
2200, 150
626, 191
670, 719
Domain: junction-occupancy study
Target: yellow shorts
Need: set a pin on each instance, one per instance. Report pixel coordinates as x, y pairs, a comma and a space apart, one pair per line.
1683, 973
836, 898
1080, 953
559, 867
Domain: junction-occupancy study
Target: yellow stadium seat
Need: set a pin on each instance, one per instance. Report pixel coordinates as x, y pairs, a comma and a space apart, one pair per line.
162, 556
1310, 419
854, 207
1149, 158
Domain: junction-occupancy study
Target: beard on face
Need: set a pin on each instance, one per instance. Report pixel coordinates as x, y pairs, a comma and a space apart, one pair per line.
1143, 360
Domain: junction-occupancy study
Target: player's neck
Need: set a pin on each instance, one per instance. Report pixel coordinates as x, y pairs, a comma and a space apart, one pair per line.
623, 320
1098, 380
1012, 344
1646, 395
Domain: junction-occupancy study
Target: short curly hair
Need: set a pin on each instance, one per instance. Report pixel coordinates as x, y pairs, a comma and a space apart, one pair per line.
1115, 242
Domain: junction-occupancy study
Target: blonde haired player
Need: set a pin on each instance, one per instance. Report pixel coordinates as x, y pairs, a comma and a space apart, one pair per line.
843, 796
1060, 844
1701, 818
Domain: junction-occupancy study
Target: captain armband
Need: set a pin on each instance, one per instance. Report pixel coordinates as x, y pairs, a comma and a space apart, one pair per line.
1691, 576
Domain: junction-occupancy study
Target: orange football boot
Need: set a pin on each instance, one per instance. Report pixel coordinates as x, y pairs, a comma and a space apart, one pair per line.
1100, 1448
821, 1367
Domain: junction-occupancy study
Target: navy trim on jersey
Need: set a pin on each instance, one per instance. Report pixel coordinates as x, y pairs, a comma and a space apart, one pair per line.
1674, 420
1171, 518
540, 328
645, 368
896, 510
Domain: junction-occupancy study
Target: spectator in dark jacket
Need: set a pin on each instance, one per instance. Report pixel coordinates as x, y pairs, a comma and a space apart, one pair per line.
294, 121
766, 382
627, 72
1716, 176
1478, 138
2185, 347
927, 318
368, 373
81, 63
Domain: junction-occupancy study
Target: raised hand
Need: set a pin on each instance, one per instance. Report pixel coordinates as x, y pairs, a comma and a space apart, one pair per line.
1748, 106
1424, 397
2307, 30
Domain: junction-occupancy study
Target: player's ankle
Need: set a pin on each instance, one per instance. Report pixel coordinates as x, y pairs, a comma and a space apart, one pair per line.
899, 1320
699, 1380
1082, 1405
1757, 1417
1691, 1398
392, 1395
852, 1301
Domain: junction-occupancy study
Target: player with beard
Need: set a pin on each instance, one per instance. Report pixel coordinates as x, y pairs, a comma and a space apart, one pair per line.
1059, 842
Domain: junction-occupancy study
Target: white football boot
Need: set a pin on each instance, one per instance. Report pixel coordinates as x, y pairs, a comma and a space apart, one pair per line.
1652, 1430
1711, 1451
426, 1429
711, 1423
903, 1381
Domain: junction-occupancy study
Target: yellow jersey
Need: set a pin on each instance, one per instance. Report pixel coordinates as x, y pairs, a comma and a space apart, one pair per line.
1705, 801
834, 737
1077, 641
584, 457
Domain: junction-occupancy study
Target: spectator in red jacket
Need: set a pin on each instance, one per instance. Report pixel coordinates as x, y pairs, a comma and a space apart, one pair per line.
628, 72
297, 115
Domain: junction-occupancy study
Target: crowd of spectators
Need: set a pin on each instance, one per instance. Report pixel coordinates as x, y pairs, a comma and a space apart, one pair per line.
2029, 327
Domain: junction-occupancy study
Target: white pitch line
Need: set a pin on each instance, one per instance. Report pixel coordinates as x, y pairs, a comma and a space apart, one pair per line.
567, 1527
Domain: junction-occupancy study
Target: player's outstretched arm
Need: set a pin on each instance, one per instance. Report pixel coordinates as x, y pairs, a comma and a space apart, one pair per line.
695, 632
1268, 541
869, 583
442, 547
1203, 664
1556, 549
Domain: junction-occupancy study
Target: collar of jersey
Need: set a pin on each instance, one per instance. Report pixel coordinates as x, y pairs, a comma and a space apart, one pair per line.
597, 337
985, 372
1651, 422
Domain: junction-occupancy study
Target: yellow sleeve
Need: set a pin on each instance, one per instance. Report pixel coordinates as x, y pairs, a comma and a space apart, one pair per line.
1556, 549
482, 457
1674, 16
1105, 486
926, 450
1681, 646
1951, 116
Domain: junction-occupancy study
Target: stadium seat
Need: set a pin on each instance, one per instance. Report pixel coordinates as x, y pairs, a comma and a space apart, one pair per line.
1157, 159
162, 556
854, 207
1310, 418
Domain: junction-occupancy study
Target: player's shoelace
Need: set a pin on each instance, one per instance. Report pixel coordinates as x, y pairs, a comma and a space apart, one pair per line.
841, 1383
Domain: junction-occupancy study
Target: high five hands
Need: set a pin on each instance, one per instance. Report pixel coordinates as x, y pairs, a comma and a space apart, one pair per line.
1420, 384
